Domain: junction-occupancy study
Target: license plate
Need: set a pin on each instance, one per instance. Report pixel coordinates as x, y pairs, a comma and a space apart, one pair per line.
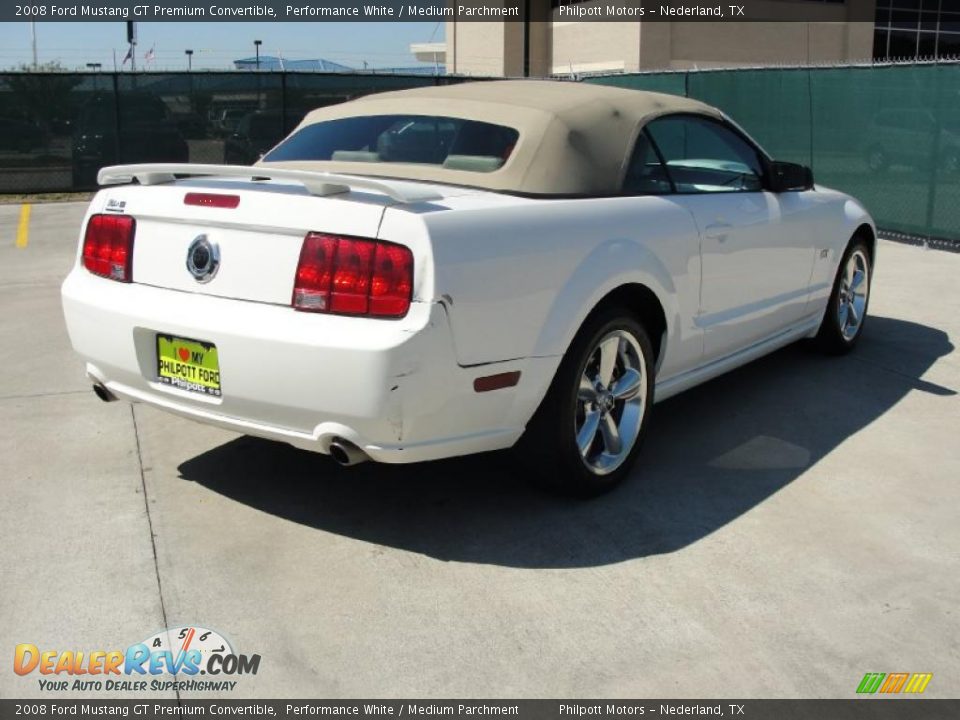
188, 364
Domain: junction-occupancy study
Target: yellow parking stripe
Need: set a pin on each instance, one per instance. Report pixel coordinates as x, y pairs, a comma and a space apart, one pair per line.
23, 229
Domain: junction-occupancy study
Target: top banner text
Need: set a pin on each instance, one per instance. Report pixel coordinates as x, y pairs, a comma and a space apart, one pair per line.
435, 10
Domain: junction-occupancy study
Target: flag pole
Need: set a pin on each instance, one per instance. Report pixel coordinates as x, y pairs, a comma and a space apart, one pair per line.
33, 42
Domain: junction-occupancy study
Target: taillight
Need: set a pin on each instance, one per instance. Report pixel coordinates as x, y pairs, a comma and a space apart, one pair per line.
108, 246
353, 276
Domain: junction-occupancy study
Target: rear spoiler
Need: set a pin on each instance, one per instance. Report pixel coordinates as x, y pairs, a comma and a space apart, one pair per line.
316, 183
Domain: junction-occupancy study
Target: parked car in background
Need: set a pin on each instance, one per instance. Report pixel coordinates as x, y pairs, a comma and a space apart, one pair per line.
191, 125
146, 134
455, 269
909, 137
256, 133
227, 119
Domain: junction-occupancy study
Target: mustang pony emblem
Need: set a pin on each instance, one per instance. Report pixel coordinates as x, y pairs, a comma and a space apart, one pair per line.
203, 259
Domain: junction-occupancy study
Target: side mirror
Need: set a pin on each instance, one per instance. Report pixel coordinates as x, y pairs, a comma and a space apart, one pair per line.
786, 176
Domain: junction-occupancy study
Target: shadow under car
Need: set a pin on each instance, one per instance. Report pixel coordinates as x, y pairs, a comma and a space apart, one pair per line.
711, 455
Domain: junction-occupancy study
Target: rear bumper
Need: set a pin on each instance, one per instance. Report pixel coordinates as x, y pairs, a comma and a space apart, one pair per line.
391, 387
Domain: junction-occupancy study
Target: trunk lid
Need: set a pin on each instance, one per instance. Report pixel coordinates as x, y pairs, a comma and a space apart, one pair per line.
258, 241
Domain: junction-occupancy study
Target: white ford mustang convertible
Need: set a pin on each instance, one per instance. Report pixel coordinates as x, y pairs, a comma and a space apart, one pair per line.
449, 270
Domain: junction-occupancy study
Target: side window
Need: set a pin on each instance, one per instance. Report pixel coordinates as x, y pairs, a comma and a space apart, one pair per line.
704, 156
645, 173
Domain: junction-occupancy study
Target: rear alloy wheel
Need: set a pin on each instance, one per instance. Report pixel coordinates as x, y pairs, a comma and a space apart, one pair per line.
847, 310
589, 428
611, 399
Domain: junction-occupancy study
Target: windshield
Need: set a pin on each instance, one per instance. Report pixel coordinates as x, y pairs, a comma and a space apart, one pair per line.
452, 143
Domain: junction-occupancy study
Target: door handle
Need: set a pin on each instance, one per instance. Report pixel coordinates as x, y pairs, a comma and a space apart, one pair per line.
717, 231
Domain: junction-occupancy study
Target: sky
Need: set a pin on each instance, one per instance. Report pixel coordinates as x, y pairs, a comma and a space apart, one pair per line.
216, 45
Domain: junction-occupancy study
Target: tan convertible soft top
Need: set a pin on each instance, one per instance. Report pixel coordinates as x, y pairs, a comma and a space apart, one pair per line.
574, 137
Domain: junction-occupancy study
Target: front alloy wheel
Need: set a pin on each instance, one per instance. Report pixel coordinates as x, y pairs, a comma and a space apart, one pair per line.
847, 310
852, 294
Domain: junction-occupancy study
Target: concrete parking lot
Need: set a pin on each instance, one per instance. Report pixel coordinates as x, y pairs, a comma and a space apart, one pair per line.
790, 527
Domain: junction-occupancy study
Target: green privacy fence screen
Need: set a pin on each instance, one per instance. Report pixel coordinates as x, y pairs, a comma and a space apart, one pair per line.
58, 129
888, 135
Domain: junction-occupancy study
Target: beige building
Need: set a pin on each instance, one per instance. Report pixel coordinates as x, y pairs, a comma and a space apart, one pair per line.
555, 43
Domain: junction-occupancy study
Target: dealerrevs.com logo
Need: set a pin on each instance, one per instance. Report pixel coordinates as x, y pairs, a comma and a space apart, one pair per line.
183, 658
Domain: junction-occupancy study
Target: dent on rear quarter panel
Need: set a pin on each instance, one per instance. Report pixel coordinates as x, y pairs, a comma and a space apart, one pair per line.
403, 380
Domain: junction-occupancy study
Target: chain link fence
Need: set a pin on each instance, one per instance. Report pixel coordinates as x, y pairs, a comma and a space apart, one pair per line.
58, 129
888, 134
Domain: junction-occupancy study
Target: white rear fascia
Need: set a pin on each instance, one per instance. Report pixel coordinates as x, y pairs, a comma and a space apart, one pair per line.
260, 240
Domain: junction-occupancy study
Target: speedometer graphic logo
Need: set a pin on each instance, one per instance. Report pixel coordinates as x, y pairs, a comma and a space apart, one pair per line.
182, 640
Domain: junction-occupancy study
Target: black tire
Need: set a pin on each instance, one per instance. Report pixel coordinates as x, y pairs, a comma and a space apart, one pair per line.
549, 447
835, 336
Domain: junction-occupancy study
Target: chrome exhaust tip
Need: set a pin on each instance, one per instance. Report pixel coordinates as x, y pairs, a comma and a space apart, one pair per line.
346, 453
101, 392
